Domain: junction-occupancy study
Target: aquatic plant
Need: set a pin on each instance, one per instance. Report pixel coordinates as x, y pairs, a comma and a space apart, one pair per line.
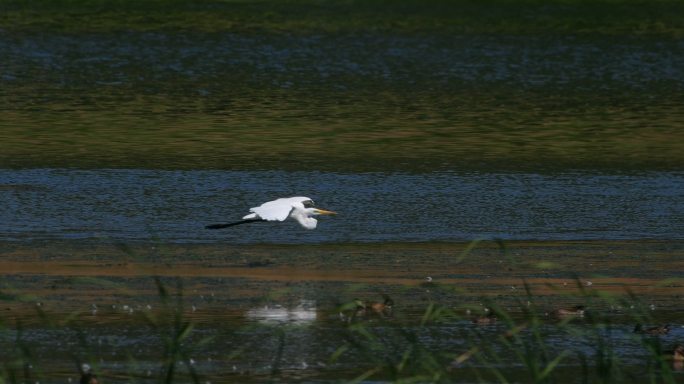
174, 330
521, 345
440, 343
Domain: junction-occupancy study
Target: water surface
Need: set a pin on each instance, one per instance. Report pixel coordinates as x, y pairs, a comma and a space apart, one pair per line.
174, 206
341, 102
126, 129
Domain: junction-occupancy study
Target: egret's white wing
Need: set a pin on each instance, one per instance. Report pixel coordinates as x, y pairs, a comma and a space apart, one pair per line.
276, 210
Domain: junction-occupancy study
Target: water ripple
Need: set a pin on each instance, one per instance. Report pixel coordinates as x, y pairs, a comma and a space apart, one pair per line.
174, 206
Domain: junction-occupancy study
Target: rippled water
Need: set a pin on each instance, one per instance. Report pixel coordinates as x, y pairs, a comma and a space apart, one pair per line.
144, 138
326, 58
306, 347
174, 206
350, 102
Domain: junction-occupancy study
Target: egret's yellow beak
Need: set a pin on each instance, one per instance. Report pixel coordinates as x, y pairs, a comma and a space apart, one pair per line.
324, 212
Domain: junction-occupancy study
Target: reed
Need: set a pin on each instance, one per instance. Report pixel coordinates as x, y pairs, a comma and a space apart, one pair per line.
523, 340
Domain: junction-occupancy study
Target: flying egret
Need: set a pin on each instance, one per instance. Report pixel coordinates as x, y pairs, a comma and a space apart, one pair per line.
299, 208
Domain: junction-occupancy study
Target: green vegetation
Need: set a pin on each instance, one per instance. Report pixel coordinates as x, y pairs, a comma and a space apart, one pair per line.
525, 346
613, 17
174, 329
442, 345
72, 96
343, 85
352, 131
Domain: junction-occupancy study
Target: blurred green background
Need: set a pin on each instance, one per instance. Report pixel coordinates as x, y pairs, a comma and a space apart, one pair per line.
343, 85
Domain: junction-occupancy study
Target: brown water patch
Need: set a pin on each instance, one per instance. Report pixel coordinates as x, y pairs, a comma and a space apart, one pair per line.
287, 274
108, 292
78, 273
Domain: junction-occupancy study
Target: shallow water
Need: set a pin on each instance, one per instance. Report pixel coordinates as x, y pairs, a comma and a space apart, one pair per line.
174, 206
109, 312
119, 147
322, 59
341, 102
305, 348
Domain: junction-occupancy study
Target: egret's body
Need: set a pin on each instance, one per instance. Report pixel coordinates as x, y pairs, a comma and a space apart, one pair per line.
299, 208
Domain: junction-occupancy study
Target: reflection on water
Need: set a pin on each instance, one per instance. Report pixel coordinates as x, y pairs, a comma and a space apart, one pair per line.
112, 314
303, 313
174, 206
306, 351
272, 102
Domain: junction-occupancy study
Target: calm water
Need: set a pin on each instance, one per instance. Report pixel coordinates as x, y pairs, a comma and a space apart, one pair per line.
207, 60
174, 206
306, 347
341, 102
467, 137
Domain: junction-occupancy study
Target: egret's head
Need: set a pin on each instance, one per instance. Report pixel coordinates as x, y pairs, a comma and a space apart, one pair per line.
313, 211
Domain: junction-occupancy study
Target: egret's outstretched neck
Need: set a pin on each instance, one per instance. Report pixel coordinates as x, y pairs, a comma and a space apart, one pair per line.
305, 220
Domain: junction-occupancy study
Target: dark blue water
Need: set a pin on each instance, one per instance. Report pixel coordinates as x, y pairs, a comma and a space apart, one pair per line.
174, 206
289, 61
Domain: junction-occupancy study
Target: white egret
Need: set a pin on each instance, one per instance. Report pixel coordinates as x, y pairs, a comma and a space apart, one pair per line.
299, 208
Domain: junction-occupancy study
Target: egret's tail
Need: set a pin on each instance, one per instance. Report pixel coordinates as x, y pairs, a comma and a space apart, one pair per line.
226, 225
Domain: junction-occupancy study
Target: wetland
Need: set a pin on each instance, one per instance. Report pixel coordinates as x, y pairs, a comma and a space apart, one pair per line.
515, 156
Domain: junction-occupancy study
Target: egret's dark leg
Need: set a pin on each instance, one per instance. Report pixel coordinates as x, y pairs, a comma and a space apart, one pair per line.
219, 226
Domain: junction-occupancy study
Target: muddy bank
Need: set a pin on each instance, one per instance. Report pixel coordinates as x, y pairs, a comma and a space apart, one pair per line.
101, 302
76, 275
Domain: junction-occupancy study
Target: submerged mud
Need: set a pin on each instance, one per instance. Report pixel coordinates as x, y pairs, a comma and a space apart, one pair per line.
112, 299
478, 269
